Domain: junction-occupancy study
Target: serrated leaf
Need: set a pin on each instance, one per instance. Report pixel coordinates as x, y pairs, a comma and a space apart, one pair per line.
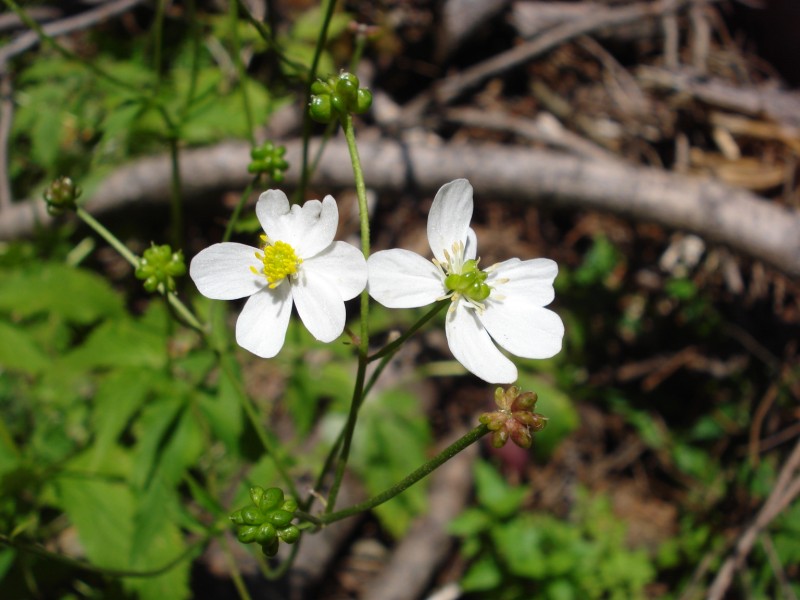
18, 352
118, 397
77, 295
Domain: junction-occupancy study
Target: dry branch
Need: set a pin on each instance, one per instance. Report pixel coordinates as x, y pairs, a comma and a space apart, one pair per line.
747, 223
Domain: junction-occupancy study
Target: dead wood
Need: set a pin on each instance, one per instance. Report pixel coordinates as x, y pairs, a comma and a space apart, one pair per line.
740, 219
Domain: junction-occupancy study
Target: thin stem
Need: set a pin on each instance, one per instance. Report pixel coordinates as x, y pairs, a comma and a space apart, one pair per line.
238, 209
252, 415
233, 15
176, 201
387, 352
108, 236
363, 347
158, 40
423, 471
267, 37
191, 7
394, 346
312, 75
236, 574
184, 313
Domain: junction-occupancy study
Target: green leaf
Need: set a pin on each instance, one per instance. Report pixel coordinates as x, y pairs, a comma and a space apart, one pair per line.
120, 343
390, 442
483, 575
223, 413
18, 352
76, 295
470, 522
118, 397
495, 493
156, 426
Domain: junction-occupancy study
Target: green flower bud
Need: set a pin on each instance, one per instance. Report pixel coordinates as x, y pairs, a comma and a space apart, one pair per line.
61, 195
363, 101
252, 516
266, 533
525, 401
236, 517
347, 88
321, 109
290, 505
280, 518
246, 533
270, 548
256, 494
499, 438
289, 534
273, 497
320, 87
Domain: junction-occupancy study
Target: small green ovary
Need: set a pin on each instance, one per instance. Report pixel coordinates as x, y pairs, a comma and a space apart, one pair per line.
279, 260
470, 283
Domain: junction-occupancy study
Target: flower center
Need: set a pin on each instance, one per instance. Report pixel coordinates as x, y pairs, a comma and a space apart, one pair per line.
279, 260
463, 278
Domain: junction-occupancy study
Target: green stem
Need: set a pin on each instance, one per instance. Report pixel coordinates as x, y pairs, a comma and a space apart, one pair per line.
236, 574
387, 352
158, 40
238, 209
233, 14
184, 313
191, 9
267, 37
363, 347
176, 202
108, 237
423, 471
252, 415
312, 75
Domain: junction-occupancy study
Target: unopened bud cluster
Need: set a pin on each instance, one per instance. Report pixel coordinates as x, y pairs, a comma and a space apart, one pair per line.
267, 521
515, 418
337, 97
268, 159
61, 196
159, 266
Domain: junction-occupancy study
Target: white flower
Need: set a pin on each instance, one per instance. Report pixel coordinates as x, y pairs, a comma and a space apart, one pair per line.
501, 305
298, 264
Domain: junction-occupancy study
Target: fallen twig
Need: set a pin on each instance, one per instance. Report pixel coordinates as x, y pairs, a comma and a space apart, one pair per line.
745, 222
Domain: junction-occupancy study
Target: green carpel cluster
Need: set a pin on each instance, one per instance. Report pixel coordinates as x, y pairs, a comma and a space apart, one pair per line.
159, 266
268, 159
515, 418
61, 195
338, 97
267, 521
471, 282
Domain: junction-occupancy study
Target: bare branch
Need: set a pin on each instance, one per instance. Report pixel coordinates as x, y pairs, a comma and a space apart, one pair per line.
747, 223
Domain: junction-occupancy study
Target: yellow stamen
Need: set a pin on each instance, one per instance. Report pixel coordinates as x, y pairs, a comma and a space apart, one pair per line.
279, 260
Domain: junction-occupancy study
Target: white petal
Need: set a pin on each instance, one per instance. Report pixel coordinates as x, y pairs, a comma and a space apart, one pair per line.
530, 280
320, 305
448, 220
308, 229
222, 271
402, 279
523, 328
471, 247
341, 264
261, 327
474, 349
